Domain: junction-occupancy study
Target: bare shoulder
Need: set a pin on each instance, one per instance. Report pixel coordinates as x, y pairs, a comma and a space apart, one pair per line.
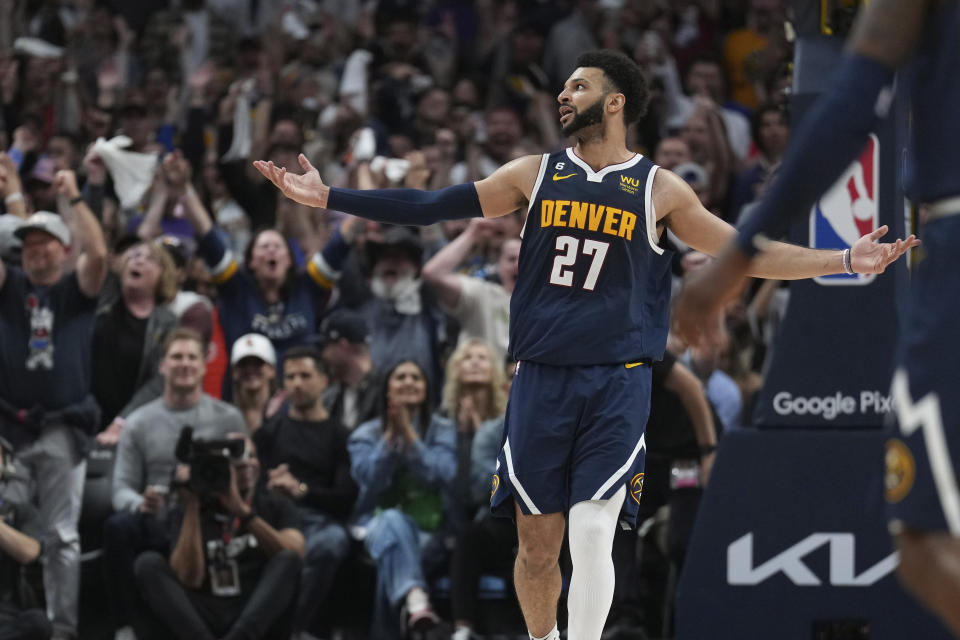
888, 30
671, 193
522, 171
509, 187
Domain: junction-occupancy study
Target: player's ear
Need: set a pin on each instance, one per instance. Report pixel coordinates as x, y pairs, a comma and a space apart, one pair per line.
616, 102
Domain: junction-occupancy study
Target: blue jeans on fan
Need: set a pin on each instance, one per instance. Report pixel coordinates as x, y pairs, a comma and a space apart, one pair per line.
397, 547
327, 545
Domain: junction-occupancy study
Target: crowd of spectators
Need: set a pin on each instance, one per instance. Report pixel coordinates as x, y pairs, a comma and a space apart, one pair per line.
152, 280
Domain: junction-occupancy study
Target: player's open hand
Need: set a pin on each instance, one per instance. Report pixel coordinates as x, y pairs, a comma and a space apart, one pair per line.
869, 256
307, 188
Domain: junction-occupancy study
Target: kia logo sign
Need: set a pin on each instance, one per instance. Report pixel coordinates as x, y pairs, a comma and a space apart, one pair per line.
741, 570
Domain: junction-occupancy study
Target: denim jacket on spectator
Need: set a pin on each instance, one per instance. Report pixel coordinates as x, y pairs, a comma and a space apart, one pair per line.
373, 463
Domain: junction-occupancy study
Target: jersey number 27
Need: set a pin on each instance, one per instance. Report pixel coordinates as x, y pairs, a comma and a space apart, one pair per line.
568, 248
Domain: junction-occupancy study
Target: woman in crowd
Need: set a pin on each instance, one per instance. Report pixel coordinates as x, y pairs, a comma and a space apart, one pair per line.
267, 294
130, 327
475, 396
403, 462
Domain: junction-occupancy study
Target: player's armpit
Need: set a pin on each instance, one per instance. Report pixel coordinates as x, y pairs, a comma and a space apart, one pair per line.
888, 30
679, 207
509, 187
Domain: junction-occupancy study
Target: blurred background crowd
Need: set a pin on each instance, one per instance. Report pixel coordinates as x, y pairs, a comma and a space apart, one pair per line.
165, 284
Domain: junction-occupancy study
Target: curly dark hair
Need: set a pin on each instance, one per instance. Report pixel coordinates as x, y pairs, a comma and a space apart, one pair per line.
623, 76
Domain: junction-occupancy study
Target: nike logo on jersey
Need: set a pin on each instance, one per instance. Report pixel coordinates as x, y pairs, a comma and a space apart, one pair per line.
631, 365
557, 176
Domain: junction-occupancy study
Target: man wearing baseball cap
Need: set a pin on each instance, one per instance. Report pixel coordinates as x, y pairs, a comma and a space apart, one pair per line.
253, 370
352, 395
46, 410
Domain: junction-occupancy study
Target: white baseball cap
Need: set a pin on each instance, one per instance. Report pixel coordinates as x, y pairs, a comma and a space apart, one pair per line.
48, 223
253, 345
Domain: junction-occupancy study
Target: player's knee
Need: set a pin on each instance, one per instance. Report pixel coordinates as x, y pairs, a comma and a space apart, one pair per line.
535, 558
536, 562
590, 537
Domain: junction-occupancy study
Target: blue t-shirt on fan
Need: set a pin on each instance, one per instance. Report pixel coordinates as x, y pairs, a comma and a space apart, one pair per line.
45, 340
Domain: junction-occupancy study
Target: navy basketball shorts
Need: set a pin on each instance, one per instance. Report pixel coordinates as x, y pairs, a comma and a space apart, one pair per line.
572, 434
923, 449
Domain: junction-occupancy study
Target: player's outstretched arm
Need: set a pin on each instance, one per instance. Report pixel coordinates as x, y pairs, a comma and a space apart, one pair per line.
495, 196
509, 187
677, 204
860, 94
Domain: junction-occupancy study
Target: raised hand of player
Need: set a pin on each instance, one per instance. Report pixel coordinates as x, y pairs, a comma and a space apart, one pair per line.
307, 188
869, 256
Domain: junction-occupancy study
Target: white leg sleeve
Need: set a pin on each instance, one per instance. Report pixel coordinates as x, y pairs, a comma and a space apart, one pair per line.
592, 525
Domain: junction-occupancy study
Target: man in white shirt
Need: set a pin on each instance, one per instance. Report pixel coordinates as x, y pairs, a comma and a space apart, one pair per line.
481, 307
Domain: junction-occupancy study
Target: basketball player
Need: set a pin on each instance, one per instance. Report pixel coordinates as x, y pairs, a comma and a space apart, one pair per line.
588, 315
921, 37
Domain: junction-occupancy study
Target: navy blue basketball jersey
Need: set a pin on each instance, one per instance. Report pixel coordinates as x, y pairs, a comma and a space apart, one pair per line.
932, 82
594, 283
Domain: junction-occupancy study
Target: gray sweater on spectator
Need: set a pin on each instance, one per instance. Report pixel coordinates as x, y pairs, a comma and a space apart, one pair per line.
145, 451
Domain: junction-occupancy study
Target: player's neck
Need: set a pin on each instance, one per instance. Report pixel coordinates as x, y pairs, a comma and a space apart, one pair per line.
602, 151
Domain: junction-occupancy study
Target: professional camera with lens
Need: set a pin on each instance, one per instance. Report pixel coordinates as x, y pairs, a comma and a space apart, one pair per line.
209, 461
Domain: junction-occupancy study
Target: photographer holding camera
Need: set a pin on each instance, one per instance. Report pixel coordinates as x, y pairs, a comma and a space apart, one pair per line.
236, 560
21, 530
145, 464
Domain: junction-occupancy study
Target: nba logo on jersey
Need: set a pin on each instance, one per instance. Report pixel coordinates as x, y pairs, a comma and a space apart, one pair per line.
848, 210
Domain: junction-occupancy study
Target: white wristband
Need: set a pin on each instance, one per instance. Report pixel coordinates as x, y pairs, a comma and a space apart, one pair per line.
16, 196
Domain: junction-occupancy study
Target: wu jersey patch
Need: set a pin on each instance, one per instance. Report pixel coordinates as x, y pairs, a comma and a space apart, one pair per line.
629, 185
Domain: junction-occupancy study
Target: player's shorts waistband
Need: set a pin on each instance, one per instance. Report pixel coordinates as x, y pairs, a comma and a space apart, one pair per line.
644, 362
942, 208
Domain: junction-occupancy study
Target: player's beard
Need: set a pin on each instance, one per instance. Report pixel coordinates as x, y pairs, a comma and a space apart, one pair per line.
587, 118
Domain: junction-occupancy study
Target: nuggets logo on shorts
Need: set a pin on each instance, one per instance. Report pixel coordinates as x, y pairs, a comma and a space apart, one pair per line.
494, 485
901, 471
636, 487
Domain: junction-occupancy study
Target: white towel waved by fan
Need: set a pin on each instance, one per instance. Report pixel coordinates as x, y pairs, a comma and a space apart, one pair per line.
132, 172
